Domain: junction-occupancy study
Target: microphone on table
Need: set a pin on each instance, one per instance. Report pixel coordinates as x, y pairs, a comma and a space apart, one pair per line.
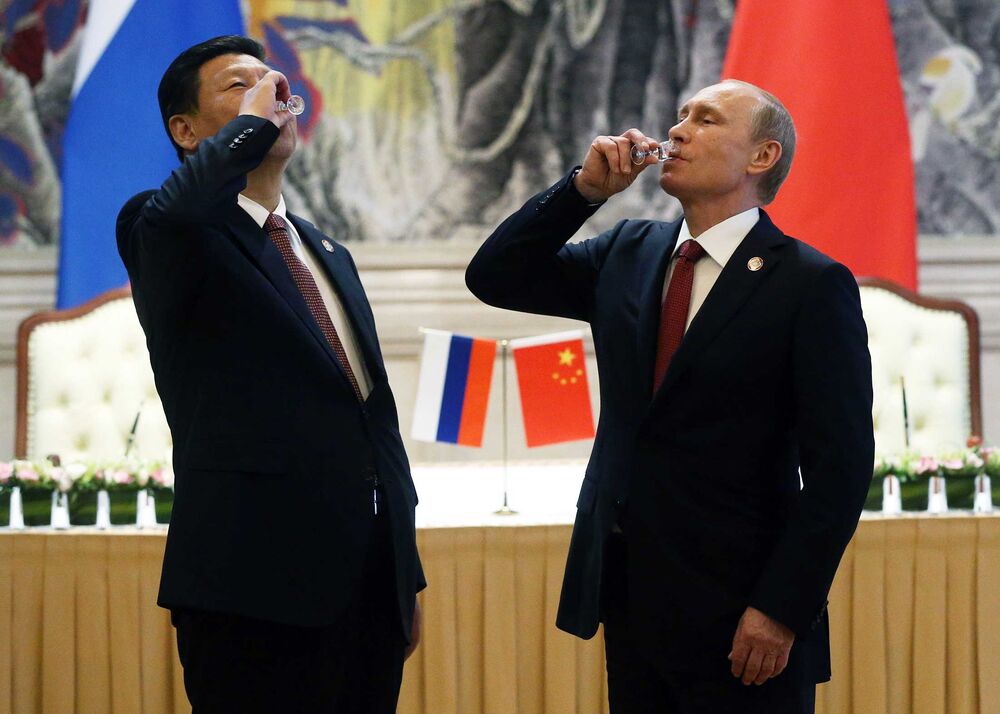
130, 442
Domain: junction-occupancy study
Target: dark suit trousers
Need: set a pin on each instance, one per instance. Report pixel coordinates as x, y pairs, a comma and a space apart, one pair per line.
237, 664
637, 685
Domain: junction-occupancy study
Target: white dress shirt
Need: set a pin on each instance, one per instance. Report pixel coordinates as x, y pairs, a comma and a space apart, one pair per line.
720, 242
333, 305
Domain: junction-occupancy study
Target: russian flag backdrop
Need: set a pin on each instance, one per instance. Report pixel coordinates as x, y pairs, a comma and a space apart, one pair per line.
453, 390
114, 144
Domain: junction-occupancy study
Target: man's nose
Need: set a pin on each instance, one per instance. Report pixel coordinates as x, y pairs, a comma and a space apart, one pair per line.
677, 133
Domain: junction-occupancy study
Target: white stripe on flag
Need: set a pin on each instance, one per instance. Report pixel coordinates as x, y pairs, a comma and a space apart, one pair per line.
430, 385
104, 17
546, 339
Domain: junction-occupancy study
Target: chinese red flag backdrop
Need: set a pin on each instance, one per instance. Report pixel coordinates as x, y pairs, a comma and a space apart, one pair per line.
552, 381
832, 63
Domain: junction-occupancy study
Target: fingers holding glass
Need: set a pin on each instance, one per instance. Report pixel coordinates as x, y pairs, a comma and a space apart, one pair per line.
663, 151
295, 105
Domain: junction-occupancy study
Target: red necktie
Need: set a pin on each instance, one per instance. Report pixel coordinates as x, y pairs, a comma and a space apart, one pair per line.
674, 313
275, 227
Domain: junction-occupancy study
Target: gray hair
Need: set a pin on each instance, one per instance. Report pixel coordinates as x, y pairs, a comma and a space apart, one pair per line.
770, 121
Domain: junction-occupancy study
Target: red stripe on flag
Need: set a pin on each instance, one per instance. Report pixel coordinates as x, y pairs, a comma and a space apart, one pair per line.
833, 65
477, 392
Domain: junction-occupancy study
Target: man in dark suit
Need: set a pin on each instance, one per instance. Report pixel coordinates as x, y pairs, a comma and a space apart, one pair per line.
730, 355
291, 566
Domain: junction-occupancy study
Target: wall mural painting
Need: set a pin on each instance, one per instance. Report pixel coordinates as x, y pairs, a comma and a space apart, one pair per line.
430, 120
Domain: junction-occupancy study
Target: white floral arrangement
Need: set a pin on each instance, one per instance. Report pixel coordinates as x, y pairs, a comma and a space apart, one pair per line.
959, 463
76, 477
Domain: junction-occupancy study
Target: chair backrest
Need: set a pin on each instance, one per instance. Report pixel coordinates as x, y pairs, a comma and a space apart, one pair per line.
932, 345
82, 377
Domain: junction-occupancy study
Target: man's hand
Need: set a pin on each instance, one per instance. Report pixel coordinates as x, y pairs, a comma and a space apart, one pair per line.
760, 647
261, 98
414, 630
608, 167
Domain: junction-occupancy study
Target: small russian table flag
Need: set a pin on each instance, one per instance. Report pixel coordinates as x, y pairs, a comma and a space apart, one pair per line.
454, 388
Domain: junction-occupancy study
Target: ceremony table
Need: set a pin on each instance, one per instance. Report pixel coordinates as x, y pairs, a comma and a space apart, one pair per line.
915, 611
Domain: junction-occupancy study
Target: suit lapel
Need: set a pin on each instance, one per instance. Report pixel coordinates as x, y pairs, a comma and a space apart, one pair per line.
349, 289
660, 247
265, 255
732, 288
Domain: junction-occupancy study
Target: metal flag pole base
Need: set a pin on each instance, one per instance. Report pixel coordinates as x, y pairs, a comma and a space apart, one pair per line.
504, 510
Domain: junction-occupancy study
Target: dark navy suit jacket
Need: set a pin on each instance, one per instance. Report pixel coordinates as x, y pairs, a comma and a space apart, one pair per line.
274, 457
773, 374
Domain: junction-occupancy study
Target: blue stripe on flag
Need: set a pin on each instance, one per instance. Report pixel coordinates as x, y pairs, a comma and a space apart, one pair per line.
453, 398
114, 143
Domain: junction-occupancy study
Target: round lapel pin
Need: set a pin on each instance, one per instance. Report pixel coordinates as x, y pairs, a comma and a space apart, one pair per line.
329, 246
755, 263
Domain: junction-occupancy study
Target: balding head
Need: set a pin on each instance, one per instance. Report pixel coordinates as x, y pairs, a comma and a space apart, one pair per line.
769, 121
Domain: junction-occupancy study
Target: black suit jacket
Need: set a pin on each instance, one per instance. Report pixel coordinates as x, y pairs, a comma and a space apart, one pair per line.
274, 457
773, 374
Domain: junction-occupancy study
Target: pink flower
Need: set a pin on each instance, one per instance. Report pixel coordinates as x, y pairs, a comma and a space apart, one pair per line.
162, 477
953, 464
121, 477
925, 465
27, 473
6, 471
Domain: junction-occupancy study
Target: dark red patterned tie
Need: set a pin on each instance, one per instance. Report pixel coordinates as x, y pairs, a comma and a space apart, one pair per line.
275, 227
674, 313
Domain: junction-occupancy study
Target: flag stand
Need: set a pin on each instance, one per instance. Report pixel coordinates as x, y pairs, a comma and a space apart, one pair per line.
504, 510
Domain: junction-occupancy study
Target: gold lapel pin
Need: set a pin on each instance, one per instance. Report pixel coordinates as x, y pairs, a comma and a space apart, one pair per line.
329, 246
755, 263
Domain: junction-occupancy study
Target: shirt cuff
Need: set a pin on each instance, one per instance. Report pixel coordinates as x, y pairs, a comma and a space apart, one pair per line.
573, 189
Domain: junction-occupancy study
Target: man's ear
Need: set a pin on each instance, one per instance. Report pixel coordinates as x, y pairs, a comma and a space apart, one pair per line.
765, 157
182, 130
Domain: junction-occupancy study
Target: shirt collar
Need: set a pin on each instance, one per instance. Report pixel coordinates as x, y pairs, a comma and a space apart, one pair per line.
721, 240
258, 212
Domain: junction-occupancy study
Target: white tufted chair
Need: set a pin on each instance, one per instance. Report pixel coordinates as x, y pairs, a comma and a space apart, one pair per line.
934, 345
83, 375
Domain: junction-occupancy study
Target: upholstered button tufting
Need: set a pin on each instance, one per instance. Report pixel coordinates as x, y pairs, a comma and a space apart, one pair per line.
930, 348
87, 377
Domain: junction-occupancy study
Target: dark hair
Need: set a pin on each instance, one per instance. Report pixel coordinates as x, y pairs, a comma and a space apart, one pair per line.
178, 90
